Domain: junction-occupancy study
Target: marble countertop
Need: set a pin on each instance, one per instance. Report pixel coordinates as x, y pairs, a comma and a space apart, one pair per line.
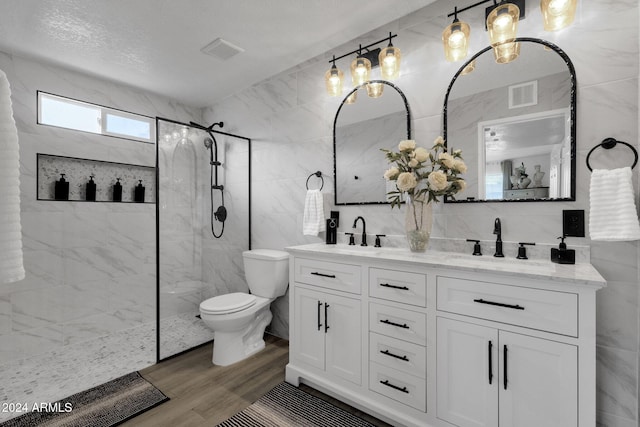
579, 273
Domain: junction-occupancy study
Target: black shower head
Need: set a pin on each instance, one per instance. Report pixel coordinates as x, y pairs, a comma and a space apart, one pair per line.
208, 142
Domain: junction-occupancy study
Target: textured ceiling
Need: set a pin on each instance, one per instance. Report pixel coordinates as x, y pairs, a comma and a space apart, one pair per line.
155, 44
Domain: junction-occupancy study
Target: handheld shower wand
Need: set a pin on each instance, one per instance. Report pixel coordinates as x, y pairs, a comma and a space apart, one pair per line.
220, 214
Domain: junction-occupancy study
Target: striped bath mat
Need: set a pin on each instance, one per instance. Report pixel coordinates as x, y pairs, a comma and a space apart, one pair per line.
106, 405
287, 406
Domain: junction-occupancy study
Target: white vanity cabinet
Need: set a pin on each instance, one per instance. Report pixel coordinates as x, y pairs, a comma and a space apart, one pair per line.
440, 339
328, 333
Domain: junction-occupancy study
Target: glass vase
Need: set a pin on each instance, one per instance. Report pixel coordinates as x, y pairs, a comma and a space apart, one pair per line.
418, 223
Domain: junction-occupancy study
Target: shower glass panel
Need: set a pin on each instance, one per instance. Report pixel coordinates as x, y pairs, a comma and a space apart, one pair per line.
193, 265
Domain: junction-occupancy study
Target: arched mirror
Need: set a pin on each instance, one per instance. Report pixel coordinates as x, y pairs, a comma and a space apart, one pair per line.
515, 124
360, 129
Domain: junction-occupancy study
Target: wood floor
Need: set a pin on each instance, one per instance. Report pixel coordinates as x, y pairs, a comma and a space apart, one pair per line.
204, 395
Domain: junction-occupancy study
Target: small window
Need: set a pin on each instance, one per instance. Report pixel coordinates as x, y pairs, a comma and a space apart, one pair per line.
68, 113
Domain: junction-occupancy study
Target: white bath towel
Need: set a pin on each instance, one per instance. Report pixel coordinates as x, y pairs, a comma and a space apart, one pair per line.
612, 208
11, 263
313, 217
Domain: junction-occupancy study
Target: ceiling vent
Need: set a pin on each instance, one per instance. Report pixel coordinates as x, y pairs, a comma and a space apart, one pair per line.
523, 95
221, 49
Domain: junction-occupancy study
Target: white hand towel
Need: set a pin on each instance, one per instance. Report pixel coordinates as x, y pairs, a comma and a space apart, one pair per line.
612, 209
313, 218
11, 264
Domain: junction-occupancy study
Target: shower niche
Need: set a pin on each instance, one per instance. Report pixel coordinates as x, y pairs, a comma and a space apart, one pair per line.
103, 175
203, 210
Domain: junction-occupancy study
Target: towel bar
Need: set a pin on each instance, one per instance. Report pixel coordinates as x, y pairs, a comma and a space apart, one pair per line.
609, 143
319, 175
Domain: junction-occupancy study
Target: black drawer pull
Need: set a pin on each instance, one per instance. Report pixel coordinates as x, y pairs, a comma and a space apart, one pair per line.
490, 362
326, 318
388, 384
319, 322
504, 356
388, 353
330, 276
387, 285
389, 322
499, 304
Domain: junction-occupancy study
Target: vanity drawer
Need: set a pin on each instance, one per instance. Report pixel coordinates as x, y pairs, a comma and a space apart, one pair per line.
532, 308
397, 385
400, 286
397, 354
398, 323
332, 275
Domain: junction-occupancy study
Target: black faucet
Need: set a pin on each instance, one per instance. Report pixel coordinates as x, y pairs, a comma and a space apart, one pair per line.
364, 230
497, 229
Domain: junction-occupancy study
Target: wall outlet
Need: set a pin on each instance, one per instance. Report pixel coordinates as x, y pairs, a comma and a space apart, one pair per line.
573, 223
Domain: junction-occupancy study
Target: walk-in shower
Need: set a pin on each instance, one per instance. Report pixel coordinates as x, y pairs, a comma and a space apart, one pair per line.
203, 189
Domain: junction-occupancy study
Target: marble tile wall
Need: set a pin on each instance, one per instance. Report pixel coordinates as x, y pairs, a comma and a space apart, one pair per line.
290, 119
90, 267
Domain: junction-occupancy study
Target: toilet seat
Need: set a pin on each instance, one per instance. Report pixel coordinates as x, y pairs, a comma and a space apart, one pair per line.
229, 303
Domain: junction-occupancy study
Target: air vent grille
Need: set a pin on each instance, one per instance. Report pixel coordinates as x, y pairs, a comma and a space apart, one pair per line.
523, 95
221, 49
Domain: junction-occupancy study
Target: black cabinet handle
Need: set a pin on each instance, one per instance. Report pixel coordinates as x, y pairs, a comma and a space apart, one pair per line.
319, 322
330, 276
326, 318
387, 285
504, 356
388, 353
499, 304
490, 362
389, 322
388, 384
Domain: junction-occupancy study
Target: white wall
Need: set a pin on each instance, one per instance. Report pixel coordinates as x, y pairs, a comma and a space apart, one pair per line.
290, 120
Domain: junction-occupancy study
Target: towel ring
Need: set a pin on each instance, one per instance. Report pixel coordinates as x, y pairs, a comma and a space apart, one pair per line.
609, 143
319, 175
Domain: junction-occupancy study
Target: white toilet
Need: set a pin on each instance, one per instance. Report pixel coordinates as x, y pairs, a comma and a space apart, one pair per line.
239, 319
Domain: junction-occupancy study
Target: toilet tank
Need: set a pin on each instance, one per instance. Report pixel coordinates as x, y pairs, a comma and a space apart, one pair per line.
267, 272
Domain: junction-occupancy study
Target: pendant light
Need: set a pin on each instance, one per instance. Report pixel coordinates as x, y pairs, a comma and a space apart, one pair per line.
502, 23
558, 14
374, 90
333, 80
455, 39
360, 69
389, 60
469, 68
351, 99
506, 52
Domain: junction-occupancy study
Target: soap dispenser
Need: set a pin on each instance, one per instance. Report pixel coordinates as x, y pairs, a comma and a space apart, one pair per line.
139, 192
562, 255
90, 194
117, 191
62, 189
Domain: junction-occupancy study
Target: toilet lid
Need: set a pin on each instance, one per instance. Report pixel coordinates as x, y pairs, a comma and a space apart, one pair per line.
229, 303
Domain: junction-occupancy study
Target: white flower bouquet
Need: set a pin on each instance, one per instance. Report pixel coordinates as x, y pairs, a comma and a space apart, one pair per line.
423, 174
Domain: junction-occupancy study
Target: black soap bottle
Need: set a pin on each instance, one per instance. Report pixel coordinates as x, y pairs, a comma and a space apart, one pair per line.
62, 189
117, 191
91, 190
138, 195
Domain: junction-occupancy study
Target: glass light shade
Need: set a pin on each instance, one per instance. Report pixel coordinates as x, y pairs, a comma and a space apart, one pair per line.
389, 59
502, 23
360, 70
469, 68
333, 80
351, 99
558, 14
455, 39
374, 90
506, 52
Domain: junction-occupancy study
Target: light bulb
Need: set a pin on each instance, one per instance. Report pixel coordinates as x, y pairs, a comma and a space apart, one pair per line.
503, 20
389, 59
456, 39
558, 6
